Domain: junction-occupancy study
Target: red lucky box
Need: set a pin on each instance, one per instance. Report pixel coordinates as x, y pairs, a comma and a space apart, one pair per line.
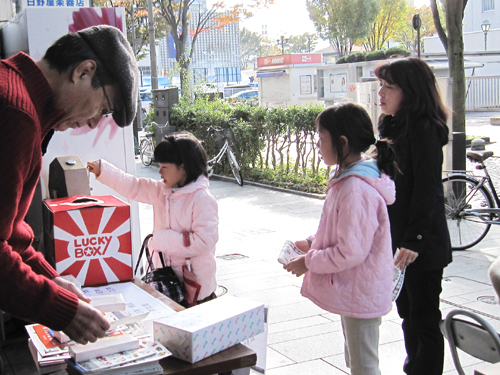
89, 238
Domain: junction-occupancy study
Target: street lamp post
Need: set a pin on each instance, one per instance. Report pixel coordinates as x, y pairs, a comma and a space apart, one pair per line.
485, 26
282, 41
417, 23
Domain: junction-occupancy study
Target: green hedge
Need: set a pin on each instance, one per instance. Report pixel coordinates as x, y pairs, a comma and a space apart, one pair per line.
382, 54
271, 143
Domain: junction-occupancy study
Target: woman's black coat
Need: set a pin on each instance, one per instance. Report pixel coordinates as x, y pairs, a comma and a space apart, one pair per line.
418, 220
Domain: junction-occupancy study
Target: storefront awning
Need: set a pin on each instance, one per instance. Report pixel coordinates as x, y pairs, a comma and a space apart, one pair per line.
270, 73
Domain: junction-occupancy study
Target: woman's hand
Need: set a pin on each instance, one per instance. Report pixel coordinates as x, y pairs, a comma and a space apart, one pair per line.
405, 257
297, 266
94, 167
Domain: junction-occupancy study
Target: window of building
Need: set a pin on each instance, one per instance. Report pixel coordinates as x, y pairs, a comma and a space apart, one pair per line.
359, 73
230, 74
488, 5
305, 85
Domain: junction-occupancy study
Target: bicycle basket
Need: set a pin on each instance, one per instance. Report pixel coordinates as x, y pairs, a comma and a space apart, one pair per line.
218, 137
229, 134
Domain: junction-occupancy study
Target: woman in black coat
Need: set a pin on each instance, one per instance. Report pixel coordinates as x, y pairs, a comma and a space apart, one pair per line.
415, 122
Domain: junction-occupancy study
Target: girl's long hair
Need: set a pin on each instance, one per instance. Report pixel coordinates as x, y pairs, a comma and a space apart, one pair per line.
421, 98
353, 122
183, 148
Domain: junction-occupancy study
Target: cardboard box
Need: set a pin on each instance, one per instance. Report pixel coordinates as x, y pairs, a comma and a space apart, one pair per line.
102, 347
201, 331
89, 238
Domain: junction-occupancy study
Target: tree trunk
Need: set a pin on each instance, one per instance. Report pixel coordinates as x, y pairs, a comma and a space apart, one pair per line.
455, 51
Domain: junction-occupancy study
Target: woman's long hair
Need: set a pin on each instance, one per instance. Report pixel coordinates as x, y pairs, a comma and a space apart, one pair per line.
421, 98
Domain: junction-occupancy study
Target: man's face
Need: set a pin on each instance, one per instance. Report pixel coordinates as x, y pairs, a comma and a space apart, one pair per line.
83, 104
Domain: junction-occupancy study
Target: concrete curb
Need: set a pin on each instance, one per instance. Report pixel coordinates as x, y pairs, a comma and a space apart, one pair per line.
270, 187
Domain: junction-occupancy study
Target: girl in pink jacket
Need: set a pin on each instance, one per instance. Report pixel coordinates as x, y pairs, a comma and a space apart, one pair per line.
185, 212
348, 264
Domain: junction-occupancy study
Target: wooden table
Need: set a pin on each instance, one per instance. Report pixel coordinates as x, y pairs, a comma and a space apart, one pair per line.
235, 357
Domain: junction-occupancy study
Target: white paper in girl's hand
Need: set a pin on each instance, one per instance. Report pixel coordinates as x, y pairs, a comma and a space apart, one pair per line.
397, 279
288, 252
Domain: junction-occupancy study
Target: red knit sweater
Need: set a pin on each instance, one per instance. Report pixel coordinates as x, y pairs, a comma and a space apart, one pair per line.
27, 113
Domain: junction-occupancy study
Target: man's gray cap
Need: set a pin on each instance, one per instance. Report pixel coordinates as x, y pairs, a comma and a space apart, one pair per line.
114, 52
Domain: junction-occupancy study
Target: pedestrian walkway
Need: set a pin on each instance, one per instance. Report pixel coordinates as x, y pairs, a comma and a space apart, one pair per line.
304, 339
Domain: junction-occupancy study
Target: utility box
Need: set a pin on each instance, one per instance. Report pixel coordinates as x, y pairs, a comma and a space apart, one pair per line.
163, 101
68, 177
160, 133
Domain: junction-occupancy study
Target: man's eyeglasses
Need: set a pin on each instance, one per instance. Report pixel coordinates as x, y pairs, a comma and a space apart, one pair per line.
106, 111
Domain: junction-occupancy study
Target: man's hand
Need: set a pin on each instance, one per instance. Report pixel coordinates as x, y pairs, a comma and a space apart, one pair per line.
63, 283
297, 266
88, 324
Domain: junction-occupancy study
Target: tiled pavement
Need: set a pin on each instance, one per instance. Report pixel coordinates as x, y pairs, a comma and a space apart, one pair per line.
302, 338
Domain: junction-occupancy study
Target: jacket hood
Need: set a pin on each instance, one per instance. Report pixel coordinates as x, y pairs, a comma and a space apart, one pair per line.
199, 184
367, 170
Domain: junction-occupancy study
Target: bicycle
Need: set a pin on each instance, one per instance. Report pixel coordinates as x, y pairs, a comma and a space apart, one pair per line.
471, 208
147, 148
224, 140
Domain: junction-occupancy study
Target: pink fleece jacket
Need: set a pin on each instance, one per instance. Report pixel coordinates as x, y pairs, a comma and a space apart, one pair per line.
350, 264
190, 209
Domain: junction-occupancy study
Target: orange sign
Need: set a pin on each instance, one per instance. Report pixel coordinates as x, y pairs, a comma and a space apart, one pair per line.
297, 58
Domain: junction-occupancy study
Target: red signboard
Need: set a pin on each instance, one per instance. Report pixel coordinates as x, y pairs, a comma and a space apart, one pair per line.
298, 58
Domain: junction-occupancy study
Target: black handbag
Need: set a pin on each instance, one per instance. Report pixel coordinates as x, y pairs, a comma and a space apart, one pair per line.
163, 279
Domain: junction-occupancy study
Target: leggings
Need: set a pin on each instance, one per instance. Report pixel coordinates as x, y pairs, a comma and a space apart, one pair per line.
361, 345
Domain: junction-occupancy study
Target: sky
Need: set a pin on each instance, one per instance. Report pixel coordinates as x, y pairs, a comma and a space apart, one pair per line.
287, 17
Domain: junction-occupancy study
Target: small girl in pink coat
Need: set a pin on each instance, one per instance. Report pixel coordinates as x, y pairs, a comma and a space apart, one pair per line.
185, 212
348, 264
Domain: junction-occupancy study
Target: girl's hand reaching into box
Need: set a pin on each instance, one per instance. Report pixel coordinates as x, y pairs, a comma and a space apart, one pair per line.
94, 167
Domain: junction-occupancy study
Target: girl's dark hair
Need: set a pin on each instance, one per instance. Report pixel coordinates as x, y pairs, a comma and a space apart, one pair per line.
353, 122
183, 148
421, 99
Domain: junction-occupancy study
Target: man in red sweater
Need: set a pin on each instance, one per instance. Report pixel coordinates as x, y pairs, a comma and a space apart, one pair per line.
82, 77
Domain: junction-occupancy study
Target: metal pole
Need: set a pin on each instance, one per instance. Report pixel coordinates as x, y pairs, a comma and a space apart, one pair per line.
485, 40
138, 116
152, 46
418, 38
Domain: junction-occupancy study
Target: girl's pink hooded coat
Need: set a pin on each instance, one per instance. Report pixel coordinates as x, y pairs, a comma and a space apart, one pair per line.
190, 209
350, 264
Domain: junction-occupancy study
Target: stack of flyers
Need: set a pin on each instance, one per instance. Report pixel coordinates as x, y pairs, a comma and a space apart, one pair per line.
48, 354
44, 341
47, 364
146, 356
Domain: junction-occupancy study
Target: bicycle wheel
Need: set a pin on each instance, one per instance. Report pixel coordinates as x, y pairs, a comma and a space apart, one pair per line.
461, 193
235, 167
211, 168
147, 152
